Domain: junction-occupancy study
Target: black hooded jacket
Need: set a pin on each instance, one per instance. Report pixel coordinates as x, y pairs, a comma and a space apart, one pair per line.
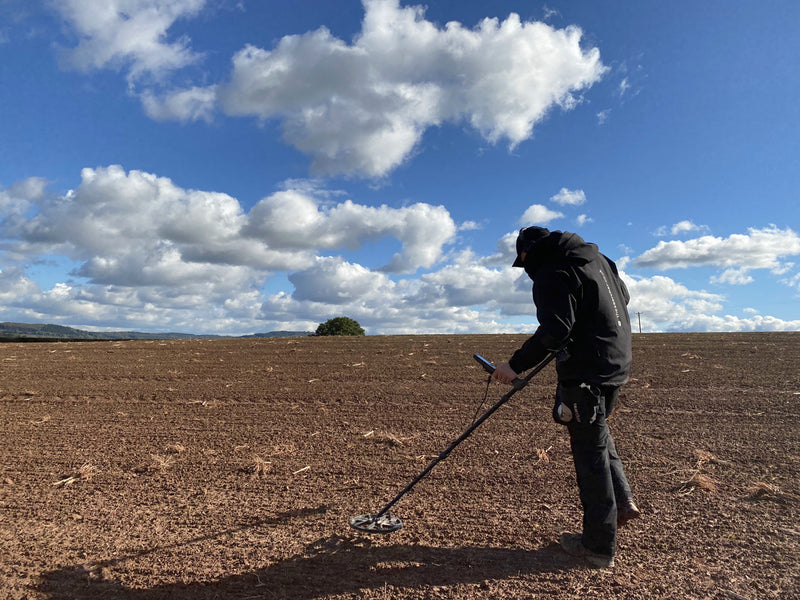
581, 307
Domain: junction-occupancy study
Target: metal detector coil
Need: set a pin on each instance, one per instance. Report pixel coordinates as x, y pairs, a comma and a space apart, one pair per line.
376, 523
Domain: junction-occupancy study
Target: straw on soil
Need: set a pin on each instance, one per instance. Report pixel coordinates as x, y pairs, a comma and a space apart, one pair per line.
698, 480
283, 449
86, 471
543, 455
762, 490
175, 449
386, 438
162, 463
259, 467
706, 457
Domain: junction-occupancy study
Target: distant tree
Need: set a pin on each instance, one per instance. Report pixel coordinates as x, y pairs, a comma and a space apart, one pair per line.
340, 326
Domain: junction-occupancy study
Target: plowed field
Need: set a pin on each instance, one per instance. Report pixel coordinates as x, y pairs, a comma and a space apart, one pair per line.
229, 469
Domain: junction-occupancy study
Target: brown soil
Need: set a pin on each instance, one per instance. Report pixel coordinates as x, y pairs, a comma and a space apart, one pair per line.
229, 469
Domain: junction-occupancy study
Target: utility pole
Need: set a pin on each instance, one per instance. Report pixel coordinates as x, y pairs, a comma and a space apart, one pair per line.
639, 315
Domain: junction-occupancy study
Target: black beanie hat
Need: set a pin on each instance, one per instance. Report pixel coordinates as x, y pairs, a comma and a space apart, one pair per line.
527, 236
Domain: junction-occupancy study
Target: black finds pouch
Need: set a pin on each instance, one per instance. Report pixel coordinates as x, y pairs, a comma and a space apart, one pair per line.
579, 403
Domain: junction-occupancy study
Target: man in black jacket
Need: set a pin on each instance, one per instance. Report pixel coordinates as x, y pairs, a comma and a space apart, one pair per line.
581, 308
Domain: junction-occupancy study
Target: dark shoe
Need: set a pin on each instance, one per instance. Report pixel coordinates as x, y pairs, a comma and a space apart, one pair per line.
572, 544
626, 512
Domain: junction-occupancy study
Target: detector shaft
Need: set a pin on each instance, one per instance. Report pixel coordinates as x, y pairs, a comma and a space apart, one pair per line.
519, 383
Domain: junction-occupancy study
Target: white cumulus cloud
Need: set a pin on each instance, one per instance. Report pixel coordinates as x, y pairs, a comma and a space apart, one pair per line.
15, 200
140, 244
733, 277
128, 33
662, 304
333, 280
363, 107
757, 249
567, 197
193, 104
680, 228
358, 107
462, 297
128, 226
538, 214
296, 220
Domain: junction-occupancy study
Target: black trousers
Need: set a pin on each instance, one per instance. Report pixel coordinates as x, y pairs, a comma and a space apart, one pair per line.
598, 468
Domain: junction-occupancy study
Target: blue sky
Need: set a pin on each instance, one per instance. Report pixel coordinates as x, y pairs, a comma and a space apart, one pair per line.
235, 166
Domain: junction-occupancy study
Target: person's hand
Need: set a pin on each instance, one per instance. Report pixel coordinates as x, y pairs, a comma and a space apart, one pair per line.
504, 373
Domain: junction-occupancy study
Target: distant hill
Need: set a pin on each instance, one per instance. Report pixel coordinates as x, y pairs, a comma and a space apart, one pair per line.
11, 332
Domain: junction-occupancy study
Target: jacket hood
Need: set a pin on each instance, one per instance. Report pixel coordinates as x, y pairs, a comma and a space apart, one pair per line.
559, 247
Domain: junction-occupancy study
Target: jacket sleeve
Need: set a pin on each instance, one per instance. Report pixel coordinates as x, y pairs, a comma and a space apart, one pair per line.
555, 310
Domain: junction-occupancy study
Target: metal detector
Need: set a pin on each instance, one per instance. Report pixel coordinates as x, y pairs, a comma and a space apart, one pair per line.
384, 521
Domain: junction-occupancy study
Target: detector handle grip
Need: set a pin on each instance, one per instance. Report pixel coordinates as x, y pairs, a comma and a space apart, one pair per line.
489, 367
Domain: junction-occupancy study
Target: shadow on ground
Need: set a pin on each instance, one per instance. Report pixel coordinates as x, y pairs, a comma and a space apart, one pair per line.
330, 566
